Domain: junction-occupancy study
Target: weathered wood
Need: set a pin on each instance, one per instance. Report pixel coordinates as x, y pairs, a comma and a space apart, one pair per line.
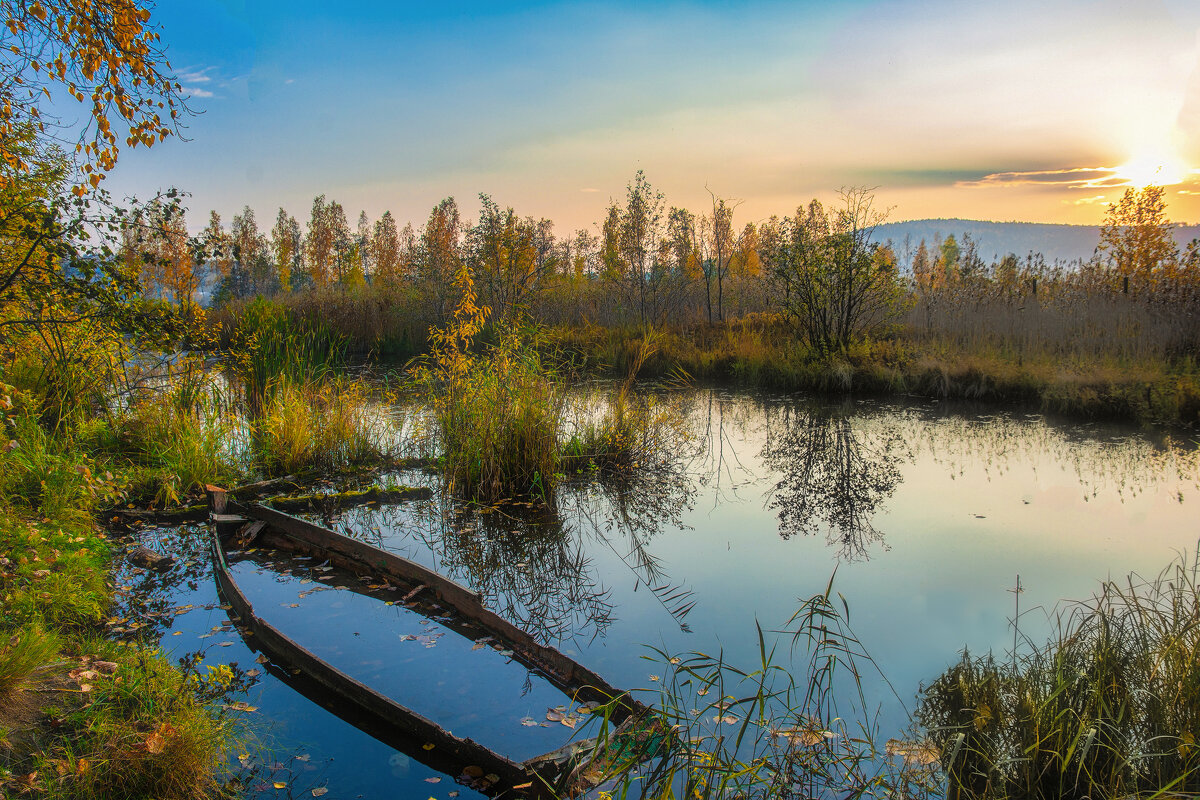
343, 500
459, 752
565, 673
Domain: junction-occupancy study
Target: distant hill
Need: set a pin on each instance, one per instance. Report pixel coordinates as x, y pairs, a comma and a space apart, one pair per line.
997, 239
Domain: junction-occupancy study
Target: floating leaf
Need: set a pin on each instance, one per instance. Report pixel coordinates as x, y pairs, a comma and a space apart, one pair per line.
280, 785
320, 790
433, 780
428, 746
922, 753
528, 722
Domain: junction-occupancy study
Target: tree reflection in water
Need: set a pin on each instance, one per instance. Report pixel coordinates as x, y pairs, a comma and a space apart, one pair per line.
834, 479
532, 564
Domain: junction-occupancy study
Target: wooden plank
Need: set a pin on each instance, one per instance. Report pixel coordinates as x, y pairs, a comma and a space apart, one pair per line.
566, 673
383, 709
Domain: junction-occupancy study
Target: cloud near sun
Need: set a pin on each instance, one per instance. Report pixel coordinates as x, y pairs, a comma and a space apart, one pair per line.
1089, 178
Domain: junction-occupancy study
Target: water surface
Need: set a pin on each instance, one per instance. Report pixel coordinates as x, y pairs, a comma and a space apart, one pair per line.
928, 513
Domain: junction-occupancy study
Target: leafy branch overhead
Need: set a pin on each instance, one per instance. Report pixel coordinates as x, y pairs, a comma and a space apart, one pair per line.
105, 54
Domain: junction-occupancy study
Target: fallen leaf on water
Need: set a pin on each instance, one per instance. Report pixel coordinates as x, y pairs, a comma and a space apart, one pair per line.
528, 722
653, 677
433, 780
280, 785
241, 706
554, 716
254, 673
428, 746
262, 659
921, 753
320, 790
225, 644
304, 757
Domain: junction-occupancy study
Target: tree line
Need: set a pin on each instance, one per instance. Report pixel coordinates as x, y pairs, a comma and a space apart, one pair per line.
647, 263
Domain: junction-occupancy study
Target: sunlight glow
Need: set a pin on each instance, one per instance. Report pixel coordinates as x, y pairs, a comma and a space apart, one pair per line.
1153, 167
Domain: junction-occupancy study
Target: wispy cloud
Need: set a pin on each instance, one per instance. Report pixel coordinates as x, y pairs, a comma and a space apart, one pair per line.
1072, 178
193, 91
195, 75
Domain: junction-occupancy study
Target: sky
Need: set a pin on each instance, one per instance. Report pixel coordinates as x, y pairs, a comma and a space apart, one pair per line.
1034, 111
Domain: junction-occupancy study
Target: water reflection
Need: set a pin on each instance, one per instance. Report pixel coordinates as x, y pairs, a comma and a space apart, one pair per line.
536, 565
834, 479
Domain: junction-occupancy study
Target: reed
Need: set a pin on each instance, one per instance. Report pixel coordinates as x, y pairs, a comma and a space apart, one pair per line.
1108, 707
778, 728
268, 347
496, 414
330, 426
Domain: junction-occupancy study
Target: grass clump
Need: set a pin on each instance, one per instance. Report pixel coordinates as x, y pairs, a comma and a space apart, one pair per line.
772, 730
175, 448
331, 425
1109, 707
496, 414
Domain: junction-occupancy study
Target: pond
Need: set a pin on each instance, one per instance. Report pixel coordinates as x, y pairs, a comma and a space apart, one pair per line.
926, 512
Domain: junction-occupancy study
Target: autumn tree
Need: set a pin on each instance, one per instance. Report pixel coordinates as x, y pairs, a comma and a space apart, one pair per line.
384, 246
825, 267
633, 250
508, 257
320, 243
1136, 238
156, 247
441, 255
107, 55
286, 249
719, 243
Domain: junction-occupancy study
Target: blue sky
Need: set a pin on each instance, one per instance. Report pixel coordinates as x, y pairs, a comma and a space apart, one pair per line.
972, 109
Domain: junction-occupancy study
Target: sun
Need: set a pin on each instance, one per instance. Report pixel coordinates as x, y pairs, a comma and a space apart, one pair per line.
1153, 167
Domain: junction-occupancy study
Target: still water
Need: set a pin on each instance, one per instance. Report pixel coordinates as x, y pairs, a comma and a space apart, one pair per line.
923, 514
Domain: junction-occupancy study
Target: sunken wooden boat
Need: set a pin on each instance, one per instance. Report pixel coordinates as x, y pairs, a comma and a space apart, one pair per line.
567, 771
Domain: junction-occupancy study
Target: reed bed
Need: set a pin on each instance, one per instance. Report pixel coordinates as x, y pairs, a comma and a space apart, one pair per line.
1109, 707
784, 727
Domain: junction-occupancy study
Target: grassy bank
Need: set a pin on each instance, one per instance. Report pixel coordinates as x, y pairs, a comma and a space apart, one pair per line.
761, 351
82, 716
1100, 360
1109, 707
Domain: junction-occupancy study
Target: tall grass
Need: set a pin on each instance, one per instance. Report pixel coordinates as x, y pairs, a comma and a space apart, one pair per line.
781, 728
1109, 707
268, 347
497, 414
332, 425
